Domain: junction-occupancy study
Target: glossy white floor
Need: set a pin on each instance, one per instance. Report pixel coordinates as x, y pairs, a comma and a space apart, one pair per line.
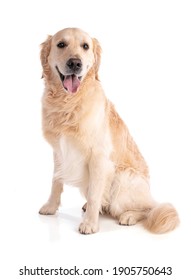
149, 42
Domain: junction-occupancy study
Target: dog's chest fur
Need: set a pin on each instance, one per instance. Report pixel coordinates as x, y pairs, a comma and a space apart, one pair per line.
73, 163
74, 147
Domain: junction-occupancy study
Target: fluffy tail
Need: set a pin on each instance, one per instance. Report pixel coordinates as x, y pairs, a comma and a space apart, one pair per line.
162, 218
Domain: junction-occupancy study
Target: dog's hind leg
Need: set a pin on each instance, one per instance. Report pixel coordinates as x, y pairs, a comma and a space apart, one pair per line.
131, 199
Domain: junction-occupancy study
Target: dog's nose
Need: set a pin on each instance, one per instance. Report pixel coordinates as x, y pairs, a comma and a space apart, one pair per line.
74, 64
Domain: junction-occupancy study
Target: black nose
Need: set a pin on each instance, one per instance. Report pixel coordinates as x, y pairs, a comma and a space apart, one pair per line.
74, 64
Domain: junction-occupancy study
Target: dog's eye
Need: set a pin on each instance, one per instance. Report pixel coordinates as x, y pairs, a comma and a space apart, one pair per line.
61, 45
85, 46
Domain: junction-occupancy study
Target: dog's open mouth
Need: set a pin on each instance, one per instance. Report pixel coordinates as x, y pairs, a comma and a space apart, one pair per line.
70, 82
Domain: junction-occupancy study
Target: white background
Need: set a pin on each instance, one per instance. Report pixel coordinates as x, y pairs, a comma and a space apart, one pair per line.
145, 71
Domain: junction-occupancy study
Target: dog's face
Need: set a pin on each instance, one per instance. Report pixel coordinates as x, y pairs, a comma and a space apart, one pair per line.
68, 56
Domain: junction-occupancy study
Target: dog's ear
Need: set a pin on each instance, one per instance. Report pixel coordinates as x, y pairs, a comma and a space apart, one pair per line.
97, 55
45, 50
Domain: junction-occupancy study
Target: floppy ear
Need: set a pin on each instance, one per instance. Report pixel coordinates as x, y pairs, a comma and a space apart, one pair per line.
45, 50
97, 55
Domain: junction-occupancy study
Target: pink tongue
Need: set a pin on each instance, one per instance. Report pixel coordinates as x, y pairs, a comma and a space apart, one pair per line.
71, 83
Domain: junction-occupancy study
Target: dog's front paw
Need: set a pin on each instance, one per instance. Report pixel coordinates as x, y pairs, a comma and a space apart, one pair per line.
88, 228
48, 209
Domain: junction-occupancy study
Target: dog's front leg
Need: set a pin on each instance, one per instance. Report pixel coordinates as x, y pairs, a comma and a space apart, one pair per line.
50, 207
100, 172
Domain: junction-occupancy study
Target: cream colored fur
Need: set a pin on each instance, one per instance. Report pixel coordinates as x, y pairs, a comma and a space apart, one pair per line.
92, 147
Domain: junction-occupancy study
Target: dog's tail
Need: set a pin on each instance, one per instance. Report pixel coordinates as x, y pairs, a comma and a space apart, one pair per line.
162, 218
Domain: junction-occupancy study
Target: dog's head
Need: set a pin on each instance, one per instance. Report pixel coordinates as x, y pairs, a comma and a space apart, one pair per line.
68, 56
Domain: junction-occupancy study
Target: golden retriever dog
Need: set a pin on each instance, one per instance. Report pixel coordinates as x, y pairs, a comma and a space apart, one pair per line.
92, 146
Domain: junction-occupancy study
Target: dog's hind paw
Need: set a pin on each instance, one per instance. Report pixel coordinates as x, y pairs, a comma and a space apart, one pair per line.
127, 219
